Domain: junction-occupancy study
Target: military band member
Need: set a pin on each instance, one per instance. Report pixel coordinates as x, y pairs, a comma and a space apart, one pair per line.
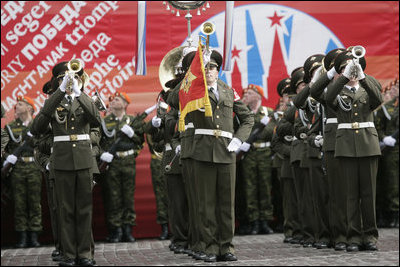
257, 164
354, 96
336, 183
300, 161
25, 177
120, 176
387, 124
71, 113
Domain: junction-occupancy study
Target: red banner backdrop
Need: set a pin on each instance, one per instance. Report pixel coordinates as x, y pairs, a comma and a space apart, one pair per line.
270, 39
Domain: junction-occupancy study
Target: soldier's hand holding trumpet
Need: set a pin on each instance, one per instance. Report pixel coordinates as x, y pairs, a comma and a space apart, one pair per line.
70, 85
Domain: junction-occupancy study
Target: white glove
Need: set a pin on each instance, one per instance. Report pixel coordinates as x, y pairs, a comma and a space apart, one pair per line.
388, 140
178, 149
319, 140
348, 70
150, 109
48, 166
360, 72
234, 144
12, 159
107, 157
265, 120
288, 138
126, 129
317, 74
156, 122
245, 147
303, 136
331, 73
66, 81
75, 88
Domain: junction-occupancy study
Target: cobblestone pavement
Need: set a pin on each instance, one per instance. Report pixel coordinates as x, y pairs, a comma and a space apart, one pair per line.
250, 250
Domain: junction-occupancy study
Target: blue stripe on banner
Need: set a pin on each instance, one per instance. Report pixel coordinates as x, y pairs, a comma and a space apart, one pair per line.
141, 52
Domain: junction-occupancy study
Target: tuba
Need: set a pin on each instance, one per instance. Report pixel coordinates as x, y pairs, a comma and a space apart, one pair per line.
169, 66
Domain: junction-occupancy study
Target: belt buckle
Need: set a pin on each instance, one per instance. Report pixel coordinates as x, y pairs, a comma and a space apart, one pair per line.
355, 125
73, 137
217, 133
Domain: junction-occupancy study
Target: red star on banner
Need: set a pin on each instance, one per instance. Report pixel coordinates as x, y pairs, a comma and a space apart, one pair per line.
275, 19
235, 52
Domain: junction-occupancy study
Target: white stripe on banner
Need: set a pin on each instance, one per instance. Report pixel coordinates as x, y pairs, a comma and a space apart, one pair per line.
227, 64
141, 39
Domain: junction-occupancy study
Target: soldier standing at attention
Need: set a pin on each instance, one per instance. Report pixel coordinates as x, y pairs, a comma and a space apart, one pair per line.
387, 120
214, 159
120, 176
354, 96
71, 114
257, 164
25, 177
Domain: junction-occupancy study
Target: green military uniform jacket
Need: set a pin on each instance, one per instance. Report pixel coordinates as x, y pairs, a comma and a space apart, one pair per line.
111, 127
211, 148
67, 119
356, 142
387, 119
266, 134
16, 131
317, 91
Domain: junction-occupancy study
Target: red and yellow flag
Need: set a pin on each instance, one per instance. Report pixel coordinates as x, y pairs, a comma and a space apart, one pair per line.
193, 93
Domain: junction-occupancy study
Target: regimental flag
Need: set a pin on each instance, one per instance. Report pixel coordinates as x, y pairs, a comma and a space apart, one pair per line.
193, 93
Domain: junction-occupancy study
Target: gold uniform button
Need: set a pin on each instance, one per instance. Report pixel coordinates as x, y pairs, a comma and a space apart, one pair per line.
72, 127
217, 126
72, 119
356, 113
217, 107
73, 145
356, 131
355, 105
217, 116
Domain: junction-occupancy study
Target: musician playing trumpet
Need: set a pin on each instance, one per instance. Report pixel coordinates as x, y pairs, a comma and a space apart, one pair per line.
354, 95
71, 113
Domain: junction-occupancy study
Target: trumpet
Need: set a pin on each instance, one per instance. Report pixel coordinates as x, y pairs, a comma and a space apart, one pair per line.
207, 28
357, 52
74, 67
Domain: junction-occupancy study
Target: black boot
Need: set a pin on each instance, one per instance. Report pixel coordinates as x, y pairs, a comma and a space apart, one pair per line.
127, 233
244, 229
115, 235
34, 239
164, 231
255, 227
265, 229
22, 240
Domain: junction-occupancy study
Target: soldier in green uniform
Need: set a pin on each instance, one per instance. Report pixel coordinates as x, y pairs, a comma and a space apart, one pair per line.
277, 160
120, 176
387, 123
354, 96
71, 113
336, 183
318, 180
155, 141
25, 178
300, 161
213, 155
257, 164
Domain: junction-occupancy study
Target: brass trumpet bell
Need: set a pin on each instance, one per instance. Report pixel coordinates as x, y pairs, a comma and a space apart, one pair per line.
358, 51
207, 28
